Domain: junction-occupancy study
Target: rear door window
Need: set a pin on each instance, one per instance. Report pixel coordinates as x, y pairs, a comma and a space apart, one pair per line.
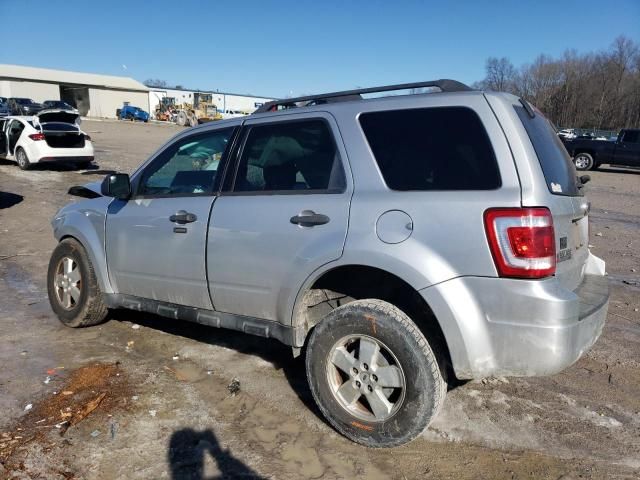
631, 136
557, 167
440, 148
290, 157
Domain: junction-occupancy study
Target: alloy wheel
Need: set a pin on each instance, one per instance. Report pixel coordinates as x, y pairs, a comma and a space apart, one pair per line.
366, 378
581, 162
68, 283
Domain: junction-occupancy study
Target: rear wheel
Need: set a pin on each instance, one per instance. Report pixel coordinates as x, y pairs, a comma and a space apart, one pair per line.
583, 161
373, 375
72, 286
22, 159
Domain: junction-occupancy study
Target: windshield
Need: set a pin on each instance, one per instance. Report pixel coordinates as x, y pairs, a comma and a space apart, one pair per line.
56, 104
23, 101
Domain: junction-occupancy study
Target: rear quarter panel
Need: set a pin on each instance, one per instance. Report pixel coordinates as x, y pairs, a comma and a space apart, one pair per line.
448, 238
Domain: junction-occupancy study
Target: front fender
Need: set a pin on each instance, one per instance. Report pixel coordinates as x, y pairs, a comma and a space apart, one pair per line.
85, 221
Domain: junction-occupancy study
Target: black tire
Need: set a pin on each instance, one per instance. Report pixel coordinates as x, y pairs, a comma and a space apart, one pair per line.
22, 160
424, 387
583, 161
89, 309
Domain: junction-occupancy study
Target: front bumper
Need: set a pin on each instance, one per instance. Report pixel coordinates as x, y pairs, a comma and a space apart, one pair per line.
509, 327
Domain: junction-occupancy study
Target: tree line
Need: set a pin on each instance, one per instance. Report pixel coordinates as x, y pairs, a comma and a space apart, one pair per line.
599, 90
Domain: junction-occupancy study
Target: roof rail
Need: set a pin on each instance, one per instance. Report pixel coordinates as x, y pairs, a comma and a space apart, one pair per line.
445, 85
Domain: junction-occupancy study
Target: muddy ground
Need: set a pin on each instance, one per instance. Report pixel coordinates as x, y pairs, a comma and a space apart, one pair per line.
174, 416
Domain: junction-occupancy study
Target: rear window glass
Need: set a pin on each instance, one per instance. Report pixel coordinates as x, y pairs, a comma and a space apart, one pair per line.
631, 136
440, 148
59, 127
557, 167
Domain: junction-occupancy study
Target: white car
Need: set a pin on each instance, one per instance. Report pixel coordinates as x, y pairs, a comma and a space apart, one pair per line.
48, 136
568, 133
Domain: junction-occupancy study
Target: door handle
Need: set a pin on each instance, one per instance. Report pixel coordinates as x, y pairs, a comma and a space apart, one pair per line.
309, 218
182, 217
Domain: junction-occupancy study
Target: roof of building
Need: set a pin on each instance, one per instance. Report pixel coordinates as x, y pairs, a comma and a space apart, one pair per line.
20, 72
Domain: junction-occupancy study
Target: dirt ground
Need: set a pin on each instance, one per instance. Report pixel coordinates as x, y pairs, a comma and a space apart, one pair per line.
169, 412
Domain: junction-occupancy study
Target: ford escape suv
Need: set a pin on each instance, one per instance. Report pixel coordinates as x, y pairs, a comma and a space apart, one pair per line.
393, 241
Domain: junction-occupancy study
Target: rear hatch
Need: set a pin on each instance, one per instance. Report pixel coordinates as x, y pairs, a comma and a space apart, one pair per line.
60, 128
59, 116
568, 206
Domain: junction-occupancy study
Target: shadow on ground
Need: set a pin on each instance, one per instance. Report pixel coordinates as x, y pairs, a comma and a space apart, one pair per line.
8, 200
616, 169
269, 350
97, 171
62, 166
187, 453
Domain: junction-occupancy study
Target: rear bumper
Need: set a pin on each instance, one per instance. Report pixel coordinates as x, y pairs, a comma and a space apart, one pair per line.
41, 152
497, 326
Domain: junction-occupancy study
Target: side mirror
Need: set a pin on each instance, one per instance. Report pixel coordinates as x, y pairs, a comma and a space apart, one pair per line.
116, 185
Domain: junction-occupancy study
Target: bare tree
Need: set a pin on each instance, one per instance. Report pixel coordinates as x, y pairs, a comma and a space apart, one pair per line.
593, 90
500, 74
155, 82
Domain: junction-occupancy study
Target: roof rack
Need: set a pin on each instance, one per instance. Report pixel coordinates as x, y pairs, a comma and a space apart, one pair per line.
445, 85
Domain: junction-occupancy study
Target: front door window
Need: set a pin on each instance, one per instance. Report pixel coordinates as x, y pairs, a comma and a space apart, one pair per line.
188, 167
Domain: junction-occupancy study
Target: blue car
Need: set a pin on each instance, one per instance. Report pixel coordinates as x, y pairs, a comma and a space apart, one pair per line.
129, 112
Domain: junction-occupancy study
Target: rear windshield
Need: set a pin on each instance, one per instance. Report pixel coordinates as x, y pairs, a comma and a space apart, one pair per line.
440, 148
557, 167
59, 127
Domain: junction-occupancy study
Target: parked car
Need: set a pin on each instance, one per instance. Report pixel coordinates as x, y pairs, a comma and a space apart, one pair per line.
588, 153
58, 105
23, 106
4, 108
129, 112
49, 136
567, 133
367, 234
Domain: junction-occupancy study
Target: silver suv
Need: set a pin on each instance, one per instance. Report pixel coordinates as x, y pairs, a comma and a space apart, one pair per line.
395, 241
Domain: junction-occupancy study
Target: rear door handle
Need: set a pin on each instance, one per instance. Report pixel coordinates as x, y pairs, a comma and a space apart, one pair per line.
182, 217
309, 218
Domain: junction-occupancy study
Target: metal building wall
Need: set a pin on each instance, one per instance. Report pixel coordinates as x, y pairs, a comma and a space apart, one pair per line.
37, 91
104, 102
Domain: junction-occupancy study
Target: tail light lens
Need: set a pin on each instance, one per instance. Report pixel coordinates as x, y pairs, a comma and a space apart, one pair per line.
36, 136
522, 241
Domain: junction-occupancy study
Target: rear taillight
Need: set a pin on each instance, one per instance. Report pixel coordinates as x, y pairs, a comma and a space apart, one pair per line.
522, 241
36, 136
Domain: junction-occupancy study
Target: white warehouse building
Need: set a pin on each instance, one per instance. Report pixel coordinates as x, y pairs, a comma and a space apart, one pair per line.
228, 104
92, 94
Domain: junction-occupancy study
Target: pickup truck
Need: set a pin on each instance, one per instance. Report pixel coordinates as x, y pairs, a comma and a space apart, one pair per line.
588, 154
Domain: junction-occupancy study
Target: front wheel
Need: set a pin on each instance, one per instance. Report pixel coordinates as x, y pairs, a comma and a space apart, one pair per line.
74, 293
583, 161
373, 375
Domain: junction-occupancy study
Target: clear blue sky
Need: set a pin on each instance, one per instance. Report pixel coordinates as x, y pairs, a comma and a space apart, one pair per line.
277, 48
